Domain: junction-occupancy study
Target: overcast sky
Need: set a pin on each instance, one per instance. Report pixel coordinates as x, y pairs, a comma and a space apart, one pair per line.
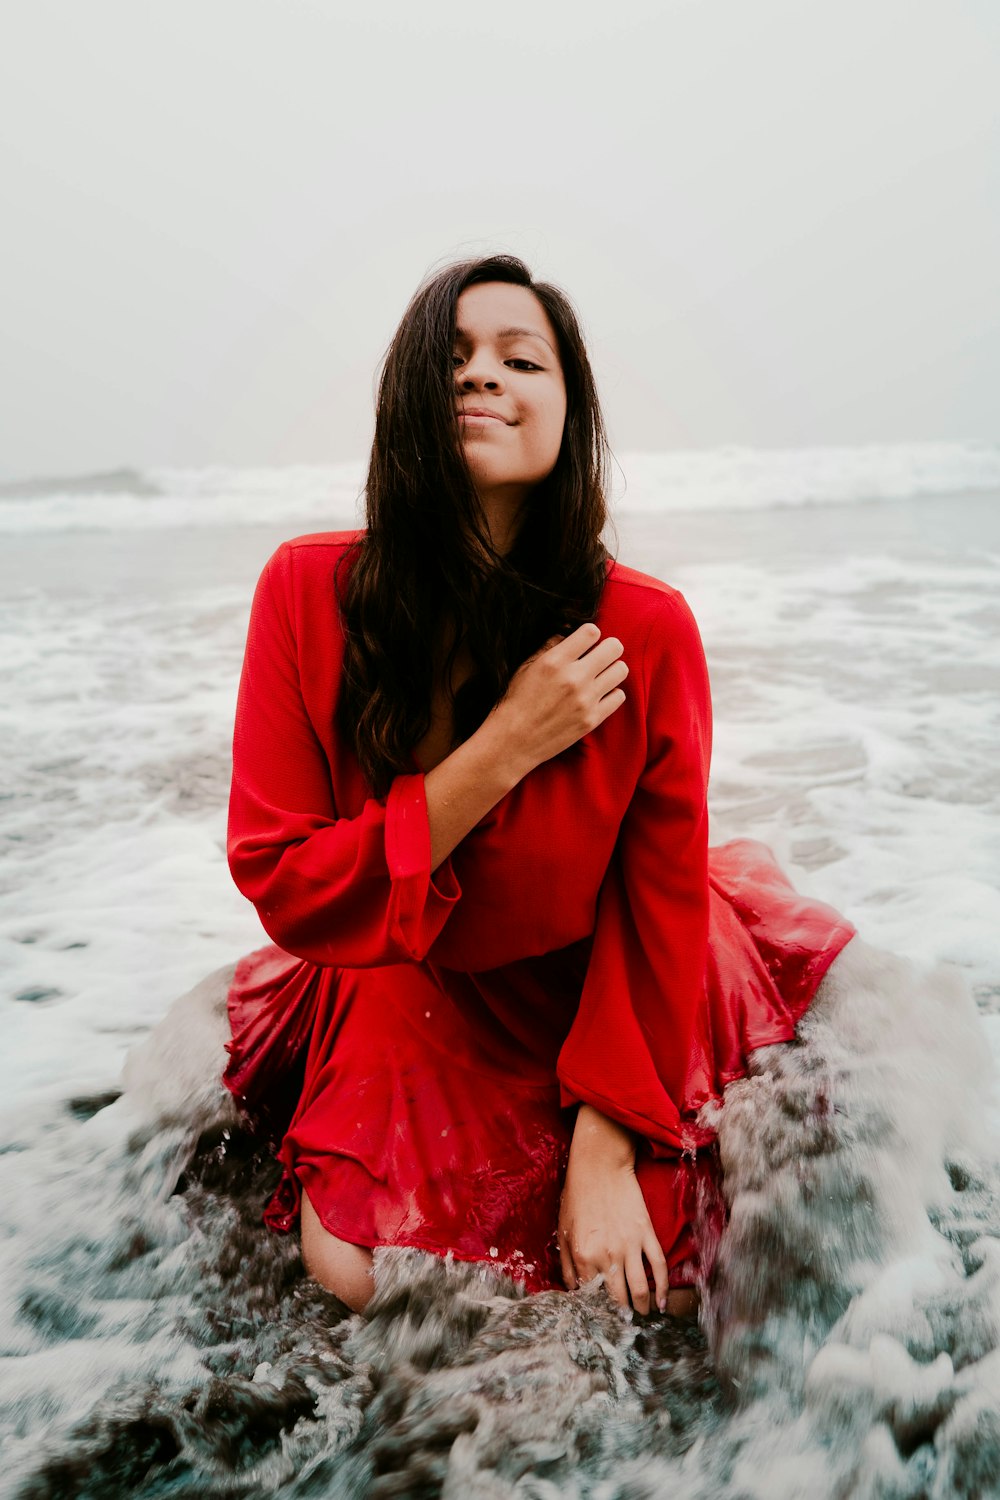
780, 219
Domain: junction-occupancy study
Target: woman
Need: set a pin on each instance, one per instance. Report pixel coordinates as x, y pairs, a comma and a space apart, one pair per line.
469, 804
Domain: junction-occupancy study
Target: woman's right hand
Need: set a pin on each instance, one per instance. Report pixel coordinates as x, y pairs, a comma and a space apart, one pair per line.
560, 694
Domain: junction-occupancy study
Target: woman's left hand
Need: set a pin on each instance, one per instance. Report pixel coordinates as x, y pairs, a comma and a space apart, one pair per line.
604, 1225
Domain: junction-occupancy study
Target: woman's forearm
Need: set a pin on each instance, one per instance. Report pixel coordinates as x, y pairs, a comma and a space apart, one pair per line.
467, 784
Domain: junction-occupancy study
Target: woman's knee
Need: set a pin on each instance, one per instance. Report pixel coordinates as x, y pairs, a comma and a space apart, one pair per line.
344, 1269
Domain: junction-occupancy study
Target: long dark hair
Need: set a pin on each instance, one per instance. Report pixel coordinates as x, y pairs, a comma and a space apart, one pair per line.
426, 560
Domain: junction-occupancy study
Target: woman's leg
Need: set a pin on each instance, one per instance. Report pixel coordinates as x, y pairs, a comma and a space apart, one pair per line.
344, 1269
683, 1302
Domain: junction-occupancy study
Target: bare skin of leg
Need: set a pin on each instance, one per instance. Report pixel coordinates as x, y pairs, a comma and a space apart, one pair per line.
683, 1303
344, 1269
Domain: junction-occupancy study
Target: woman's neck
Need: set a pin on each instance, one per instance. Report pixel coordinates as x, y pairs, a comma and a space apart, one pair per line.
503, 511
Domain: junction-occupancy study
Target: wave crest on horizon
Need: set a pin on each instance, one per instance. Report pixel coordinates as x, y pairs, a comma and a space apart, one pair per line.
700, 480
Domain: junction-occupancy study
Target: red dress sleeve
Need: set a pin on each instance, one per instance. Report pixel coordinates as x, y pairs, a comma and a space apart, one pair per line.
341, 891
628, 1048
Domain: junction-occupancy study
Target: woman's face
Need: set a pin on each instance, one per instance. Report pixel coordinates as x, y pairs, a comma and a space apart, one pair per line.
507, 366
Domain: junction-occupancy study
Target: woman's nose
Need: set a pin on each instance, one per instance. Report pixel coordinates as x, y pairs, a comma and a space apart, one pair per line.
480, 375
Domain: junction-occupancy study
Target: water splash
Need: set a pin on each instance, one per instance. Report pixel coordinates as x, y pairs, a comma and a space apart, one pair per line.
160, 1342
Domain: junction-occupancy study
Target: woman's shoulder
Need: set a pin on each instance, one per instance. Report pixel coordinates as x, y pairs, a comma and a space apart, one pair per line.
655, 621
307, 564
314, 548
301, 579
638, 600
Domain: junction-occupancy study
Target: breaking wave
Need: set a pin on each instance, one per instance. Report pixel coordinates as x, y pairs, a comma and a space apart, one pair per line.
327, 496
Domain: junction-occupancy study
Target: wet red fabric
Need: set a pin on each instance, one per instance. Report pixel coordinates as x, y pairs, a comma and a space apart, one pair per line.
417, 1042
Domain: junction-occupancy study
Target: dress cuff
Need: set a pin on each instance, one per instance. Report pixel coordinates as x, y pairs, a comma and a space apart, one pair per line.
419, 903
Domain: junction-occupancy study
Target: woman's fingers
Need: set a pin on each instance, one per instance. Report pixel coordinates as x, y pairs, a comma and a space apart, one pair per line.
638, 1285
586, 642
615, 1283
603, 654
625, 1275
553, 641
608, 704
570, 1279
580, 640
611, 676
661, 1277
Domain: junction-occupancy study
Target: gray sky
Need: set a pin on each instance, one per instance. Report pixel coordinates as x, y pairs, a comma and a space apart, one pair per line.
779, 218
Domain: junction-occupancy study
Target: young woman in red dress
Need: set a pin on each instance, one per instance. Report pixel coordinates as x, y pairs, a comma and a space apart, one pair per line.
470, 768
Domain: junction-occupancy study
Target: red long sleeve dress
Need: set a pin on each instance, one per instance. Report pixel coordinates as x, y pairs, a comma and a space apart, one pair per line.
416, 1040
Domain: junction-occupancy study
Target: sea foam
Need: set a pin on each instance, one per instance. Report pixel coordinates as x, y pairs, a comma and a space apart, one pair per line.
166, 1342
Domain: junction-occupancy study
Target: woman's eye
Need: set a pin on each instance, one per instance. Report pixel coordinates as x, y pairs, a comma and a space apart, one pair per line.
456, 360
523, 364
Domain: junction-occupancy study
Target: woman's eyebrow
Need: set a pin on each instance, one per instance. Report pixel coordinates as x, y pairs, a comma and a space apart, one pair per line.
510, 333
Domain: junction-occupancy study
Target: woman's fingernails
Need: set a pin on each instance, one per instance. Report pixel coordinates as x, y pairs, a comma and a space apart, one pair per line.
662, 1304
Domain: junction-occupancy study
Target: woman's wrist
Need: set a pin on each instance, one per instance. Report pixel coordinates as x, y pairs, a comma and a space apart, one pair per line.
601, 1142
504, 749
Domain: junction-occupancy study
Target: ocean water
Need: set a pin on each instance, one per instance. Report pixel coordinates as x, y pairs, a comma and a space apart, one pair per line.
155, 1340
